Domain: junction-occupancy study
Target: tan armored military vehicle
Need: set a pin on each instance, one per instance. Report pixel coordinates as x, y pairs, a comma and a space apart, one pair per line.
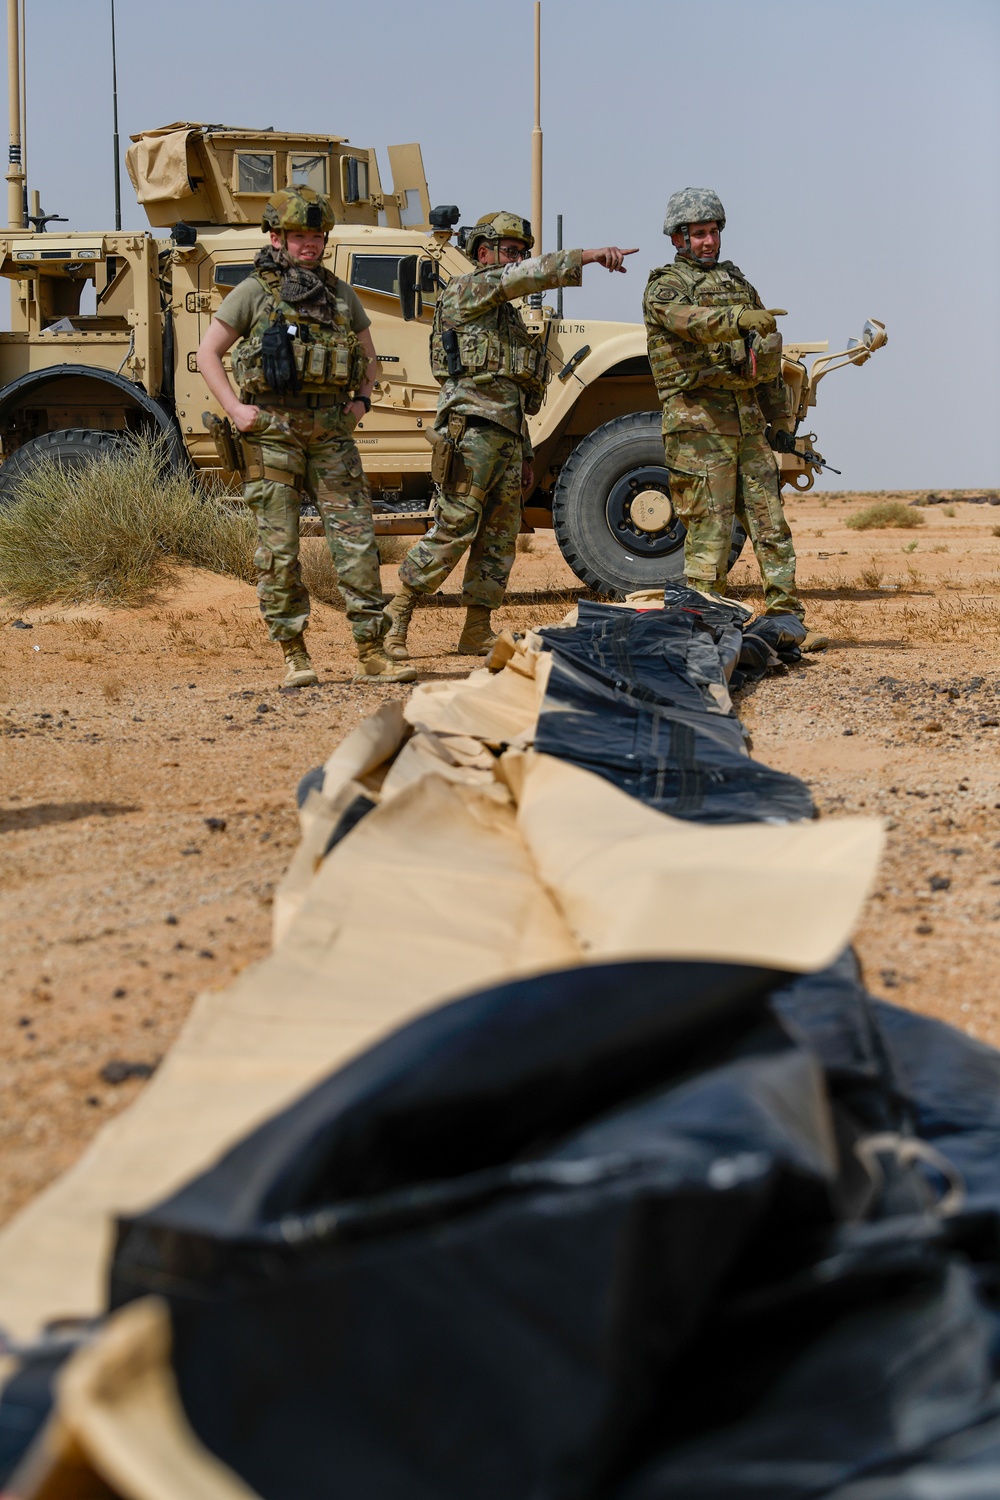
105, 327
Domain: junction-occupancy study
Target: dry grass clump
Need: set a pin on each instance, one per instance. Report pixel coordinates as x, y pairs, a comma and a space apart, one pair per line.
392, 549
318, 573
110, 530
885, 513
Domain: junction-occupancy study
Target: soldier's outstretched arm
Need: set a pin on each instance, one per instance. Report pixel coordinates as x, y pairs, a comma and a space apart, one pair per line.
537, 274
609, 256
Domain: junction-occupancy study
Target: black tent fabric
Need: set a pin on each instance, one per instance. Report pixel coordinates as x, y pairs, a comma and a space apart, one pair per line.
630, 698
628, 1231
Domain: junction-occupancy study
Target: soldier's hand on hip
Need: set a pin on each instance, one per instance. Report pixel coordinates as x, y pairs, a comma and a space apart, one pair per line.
608, 256
760, 319
243, 417
356, 409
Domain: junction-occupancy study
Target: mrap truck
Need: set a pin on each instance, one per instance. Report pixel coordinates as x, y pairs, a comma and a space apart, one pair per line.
105, 327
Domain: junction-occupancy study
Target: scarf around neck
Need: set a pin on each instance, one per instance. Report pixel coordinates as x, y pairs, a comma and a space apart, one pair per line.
309, 292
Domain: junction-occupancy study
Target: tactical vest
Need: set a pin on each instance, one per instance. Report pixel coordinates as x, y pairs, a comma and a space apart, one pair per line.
678, 364
328, 356
496, 343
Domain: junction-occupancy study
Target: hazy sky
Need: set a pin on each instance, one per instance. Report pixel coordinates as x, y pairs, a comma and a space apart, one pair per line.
854, 143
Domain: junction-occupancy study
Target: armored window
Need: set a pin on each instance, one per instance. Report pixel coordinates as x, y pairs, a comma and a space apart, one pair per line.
412, 212
231, 275
376, 273
255, 172
354, 179
307, 171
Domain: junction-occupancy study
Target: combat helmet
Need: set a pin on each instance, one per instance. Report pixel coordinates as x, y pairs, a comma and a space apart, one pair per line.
298, 208
693, 206
492, 228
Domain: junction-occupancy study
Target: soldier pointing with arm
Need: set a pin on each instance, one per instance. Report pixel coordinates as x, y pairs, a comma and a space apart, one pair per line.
716, 359
305, 366
493, 373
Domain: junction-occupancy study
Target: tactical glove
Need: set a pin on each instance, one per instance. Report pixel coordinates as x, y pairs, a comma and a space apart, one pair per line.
781, 442
278, 360
759, 320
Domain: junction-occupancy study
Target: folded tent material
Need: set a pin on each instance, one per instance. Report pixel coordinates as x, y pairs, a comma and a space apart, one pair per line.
606, 1232
641, 699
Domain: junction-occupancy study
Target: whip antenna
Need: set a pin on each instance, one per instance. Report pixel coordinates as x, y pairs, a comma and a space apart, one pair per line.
114, 100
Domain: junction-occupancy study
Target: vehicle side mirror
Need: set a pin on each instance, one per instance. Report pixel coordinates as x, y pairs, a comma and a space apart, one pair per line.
428, 276
873, 335
406, 286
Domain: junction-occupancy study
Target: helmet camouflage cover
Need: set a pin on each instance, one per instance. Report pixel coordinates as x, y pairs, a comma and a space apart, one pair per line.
298, 208
492, 228
693, 206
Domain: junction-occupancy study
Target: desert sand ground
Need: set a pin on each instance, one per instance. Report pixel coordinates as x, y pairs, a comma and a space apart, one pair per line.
148, 765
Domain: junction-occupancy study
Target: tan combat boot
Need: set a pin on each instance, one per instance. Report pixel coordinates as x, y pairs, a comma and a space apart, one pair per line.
375, 666
399, 610
814, 641
477, 639
298, 668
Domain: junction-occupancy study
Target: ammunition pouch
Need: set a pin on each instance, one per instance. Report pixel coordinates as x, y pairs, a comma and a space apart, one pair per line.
317, 359
496, 345
768, 354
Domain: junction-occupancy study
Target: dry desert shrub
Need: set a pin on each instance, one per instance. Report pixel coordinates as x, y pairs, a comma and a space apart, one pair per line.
318, 573
871, 575
885, 513
392, 549
111, 529
242, 633
88, 630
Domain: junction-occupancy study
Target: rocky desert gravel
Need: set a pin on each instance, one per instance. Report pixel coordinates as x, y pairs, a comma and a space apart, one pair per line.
148, 763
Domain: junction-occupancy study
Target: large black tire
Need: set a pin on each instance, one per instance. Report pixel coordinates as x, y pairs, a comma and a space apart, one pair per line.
591, 511
73, 447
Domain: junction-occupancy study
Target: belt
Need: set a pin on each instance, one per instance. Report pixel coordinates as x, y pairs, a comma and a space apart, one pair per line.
303, 403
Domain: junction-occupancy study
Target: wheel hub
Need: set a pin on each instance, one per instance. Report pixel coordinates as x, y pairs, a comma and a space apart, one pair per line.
651, 511
640, 514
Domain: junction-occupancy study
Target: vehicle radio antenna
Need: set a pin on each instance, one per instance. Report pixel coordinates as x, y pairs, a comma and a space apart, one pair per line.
15, 171
114, 101
536, 138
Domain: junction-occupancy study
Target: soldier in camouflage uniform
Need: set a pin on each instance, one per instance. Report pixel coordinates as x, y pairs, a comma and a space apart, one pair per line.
493, 373
305, 367
716, 358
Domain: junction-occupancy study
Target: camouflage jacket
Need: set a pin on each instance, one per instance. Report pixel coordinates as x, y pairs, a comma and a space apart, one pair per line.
469, 304
701, 361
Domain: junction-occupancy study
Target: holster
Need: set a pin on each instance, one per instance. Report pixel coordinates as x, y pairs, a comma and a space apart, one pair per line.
225, 445
448, 468
241, 455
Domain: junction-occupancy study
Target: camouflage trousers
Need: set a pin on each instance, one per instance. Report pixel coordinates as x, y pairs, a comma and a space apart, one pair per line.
714, 478
482, 514
317, 452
